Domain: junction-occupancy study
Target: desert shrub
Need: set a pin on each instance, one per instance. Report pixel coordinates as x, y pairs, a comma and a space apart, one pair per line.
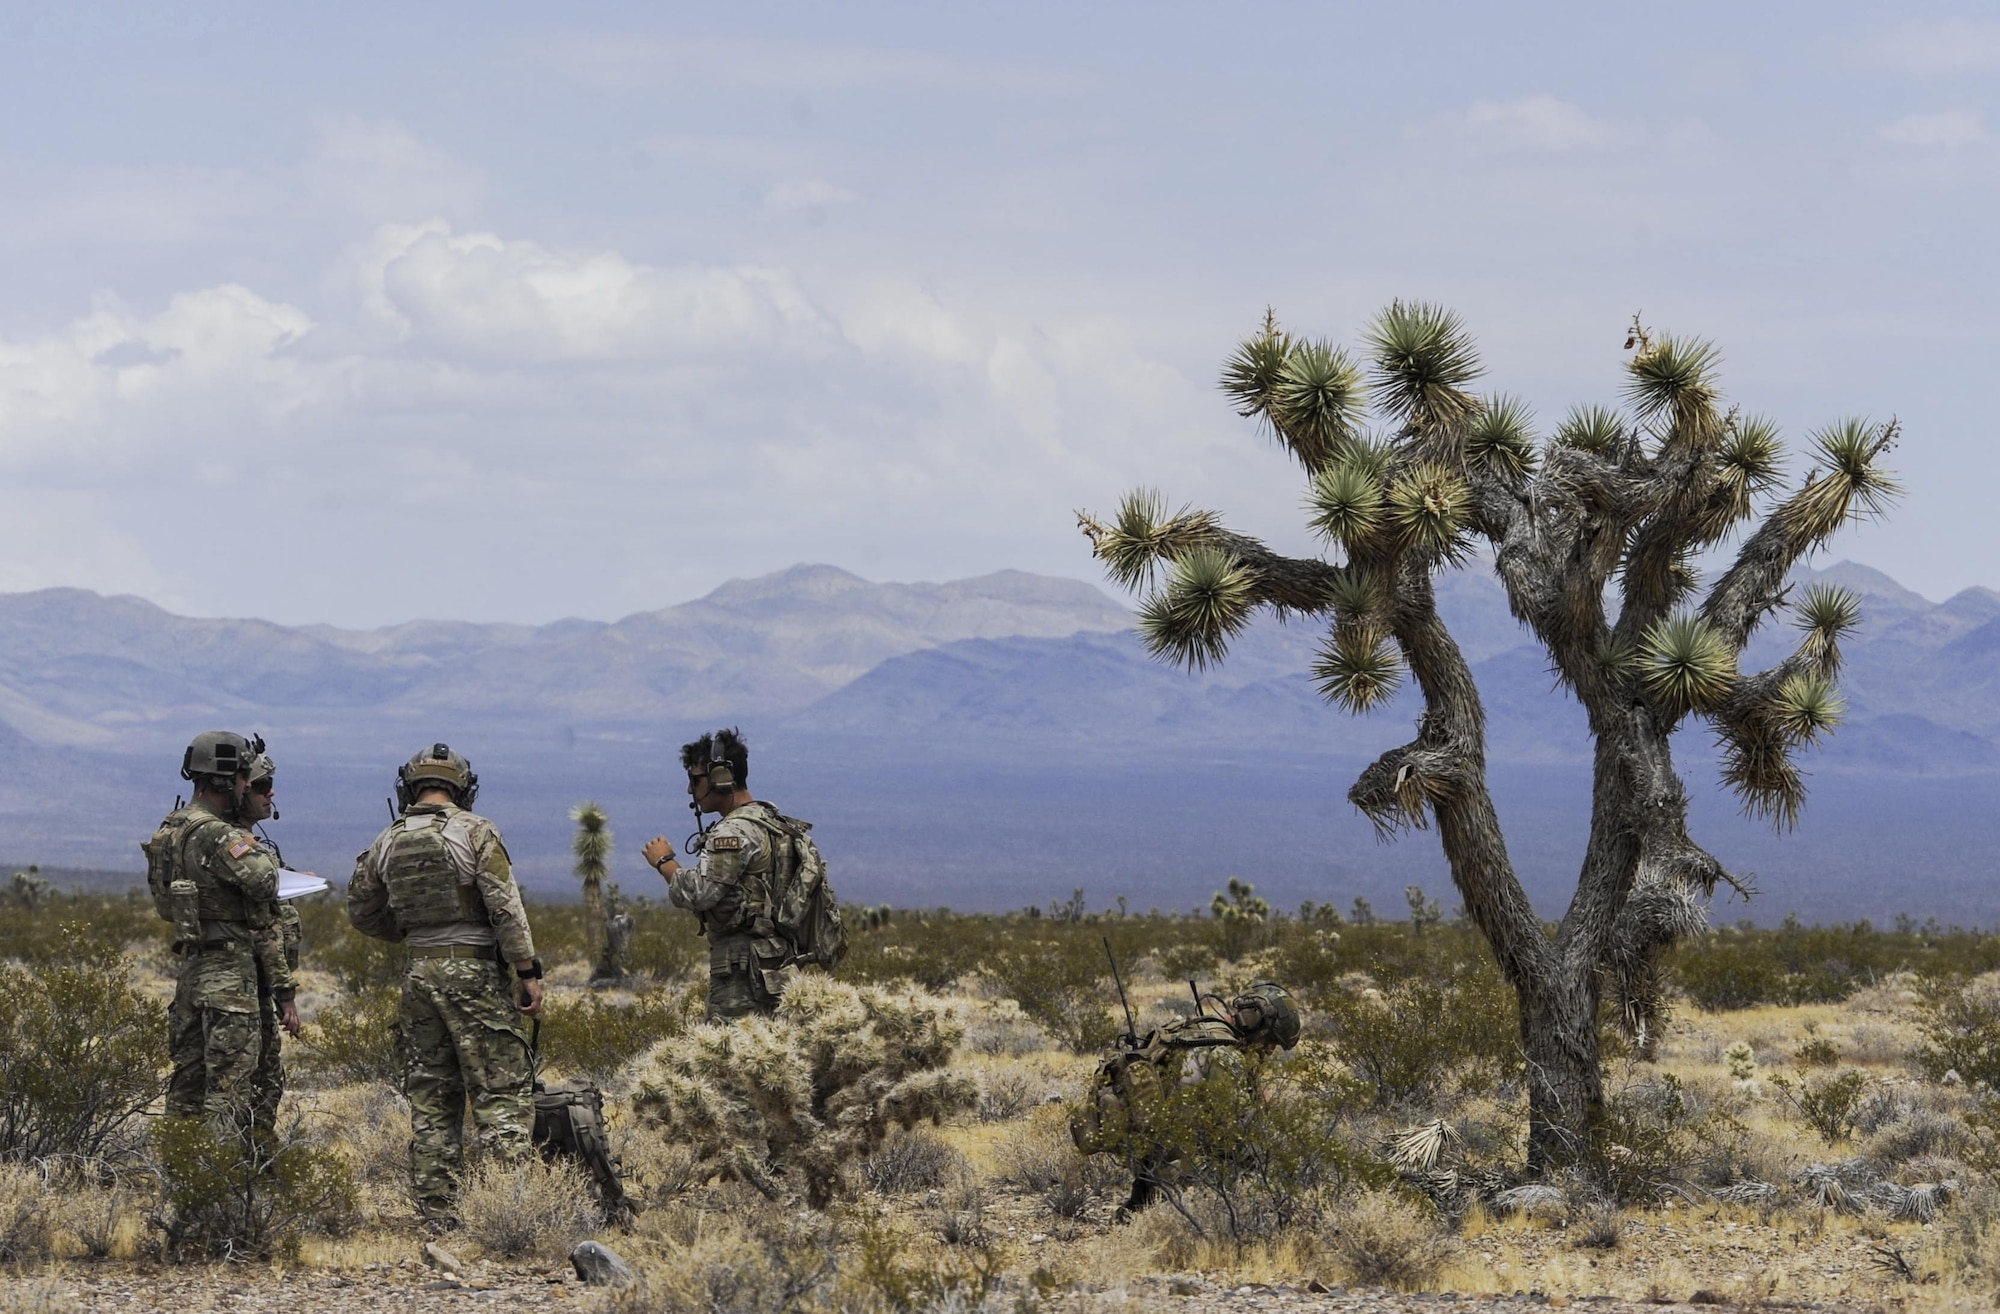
1597, 1227
93, 1214
526, 1208
584, 1036
25, 1222
1414, 1039
79, 1052
1005, 1096
960, 1217
1827, 1106
1241, 918
1378, 1238
1960, 1025
355, 1039
232, 1197
1258, 1137
1064, 985
1816, 1052
815, 1087
361, 963
915, 1160
732, 1261
1661, 1134
899, 1274
1000, 1027
1040, 1155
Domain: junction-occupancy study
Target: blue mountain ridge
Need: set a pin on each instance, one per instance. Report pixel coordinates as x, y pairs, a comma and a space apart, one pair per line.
981, 743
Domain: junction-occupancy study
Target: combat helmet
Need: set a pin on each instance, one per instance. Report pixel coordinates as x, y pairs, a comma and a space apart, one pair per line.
1266, 1012
220, 753
437, 765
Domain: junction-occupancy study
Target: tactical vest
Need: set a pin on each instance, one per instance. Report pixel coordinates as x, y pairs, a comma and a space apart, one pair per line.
1127, 1083
427, 863
169, 861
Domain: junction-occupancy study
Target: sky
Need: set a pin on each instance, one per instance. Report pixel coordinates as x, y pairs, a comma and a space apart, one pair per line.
364, 313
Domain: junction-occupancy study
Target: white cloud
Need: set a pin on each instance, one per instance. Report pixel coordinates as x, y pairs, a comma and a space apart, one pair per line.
381, 170
1539, 122
806, 194
1938, 49
1948, 128
482, 296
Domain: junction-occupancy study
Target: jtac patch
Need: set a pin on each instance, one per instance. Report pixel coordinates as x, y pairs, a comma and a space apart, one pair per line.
241, 847
724, 843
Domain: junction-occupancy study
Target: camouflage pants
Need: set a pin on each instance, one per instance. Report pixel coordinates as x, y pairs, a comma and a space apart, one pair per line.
737, 985
466, 1046
267, 1083
212, 1037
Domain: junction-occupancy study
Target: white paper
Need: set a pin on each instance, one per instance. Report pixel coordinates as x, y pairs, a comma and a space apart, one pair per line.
298, 884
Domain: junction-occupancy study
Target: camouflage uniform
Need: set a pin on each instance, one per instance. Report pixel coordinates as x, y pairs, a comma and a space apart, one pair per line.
212, 1030
730, 887
458, 1017
280, 962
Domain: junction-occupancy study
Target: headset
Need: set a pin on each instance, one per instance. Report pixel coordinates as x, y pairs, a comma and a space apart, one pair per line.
721, 776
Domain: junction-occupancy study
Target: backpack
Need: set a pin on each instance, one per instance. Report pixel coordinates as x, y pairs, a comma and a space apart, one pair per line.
1126, 1085
569, 1124
162, 857
803, 906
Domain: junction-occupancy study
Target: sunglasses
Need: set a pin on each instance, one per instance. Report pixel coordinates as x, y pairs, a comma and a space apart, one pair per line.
262, 786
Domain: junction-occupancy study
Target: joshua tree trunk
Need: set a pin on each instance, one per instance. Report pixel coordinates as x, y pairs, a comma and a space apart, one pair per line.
1611, 507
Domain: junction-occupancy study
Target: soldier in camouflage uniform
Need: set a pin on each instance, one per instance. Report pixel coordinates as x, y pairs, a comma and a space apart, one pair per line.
1116, 1112
219, 889
439, 879
278, 957
730, 887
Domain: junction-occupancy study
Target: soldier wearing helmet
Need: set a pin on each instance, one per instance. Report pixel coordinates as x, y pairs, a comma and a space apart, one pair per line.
439, 880
278, 960
1117, 1114
210, 878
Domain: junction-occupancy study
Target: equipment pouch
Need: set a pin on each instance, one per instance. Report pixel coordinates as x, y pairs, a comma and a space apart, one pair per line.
186, 899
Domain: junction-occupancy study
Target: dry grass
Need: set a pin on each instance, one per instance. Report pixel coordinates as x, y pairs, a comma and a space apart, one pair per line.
527, 1209
1382, 1240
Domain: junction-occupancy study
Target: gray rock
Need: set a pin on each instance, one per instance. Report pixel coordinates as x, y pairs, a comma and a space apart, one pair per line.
599, 1266
442, 1260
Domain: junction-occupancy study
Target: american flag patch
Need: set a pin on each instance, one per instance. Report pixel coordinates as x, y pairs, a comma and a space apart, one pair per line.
241, 847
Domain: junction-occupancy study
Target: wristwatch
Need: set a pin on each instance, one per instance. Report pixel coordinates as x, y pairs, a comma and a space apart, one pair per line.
665, 858
534, 972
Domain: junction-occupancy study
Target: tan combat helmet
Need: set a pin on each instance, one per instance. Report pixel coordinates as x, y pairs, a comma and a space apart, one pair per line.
436, 765
219, 753
1266, 1012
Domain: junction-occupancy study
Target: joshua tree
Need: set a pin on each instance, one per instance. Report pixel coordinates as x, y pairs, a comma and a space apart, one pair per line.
592, 847
1595, 535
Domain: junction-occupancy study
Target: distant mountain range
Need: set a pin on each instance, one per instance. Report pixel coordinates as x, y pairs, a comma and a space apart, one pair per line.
982, 743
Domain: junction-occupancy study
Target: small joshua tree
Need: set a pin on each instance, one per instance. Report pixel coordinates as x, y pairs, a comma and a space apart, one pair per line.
592, 847
1242, 916
1595, 534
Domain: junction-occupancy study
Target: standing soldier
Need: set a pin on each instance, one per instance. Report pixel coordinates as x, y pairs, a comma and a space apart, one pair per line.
439, 879
731, 887
218, 888
277, 961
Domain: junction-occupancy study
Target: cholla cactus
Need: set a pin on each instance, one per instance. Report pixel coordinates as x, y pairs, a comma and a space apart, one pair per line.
815, 1087
1742, 1061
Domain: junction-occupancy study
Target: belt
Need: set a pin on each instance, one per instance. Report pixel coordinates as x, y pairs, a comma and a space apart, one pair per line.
489, 952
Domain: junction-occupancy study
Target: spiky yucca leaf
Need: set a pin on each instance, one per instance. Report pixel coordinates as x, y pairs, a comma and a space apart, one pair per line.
1421, 1148
1358, 671
1675, 377
1424, 359
1686, 665
1133, 544
1758, 766
1845, 483
1591, 429
1826, 614
1428, 505
1752, 455
1316, 402
1806, 706
1357, 598
1205, 602
1346, 503
1250, 375
1501, 437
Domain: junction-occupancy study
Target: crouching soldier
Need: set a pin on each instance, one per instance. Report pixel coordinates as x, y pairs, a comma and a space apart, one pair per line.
439, 879
1121, 1111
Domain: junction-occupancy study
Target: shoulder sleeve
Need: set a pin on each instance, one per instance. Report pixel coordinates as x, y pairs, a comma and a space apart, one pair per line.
368, 898
497, 889
233, 856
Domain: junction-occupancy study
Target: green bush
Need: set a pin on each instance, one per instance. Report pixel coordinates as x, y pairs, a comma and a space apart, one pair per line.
1064, 986
583, 1036
1659, 1135
355, 1039
80, 1051
231, 1197
1826, 1105
1960, 1025
1413, 1040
